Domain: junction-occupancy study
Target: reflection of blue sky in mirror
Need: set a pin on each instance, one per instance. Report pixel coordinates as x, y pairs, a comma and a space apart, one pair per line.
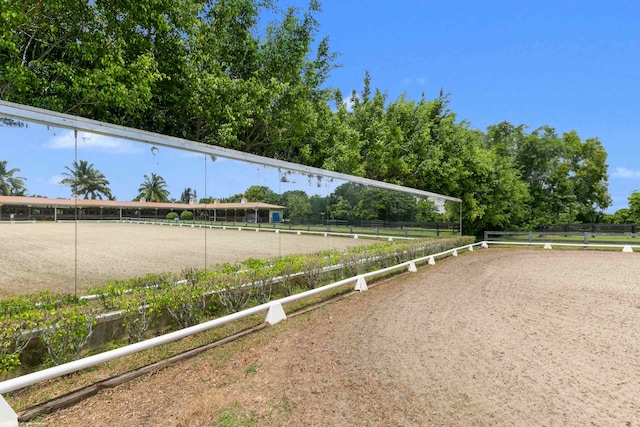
41, 153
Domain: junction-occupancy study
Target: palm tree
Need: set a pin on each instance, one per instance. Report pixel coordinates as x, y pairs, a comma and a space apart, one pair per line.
153, 189
86, 181
11, 185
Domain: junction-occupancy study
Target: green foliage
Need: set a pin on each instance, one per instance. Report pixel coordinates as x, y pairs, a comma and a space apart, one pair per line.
11, 185
634, 208
187, 195
86, 181
65, 331
14, 337
184, 302
138, 311
171, 215
232, 291
153, 189
186, 215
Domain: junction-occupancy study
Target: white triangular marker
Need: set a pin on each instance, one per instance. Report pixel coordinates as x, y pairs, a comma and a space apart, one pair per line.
627, 249
8, 417
470, 248
412, 267
432, 261
485, 245
361, 284
547, 246
455, 252
275, 314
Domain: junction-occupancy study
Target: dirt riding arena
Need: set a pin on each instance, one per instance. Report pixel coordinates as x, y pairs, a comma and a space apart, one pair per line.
494, 337
42, 256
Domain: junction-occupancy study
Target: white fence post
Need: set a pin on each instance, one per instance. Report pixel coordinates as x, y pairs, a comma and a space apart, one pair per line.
432, 261
275, 314
412, 267
627, 249
8, 417
361, 284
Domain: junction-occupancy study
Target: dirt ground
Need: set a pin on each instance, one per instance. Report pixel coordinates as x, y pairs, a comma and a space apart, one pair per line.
494, 337
42, 256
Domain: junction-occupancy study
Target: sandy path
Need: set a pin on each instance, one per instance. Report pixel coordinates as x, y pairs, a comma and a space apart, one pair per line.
42, 256
497, 337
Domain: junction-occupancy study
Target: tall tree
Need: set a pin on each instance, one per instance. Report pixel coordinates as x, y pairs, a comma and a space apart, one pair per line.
187, 194
297, 204
85, 180
634, 208
11, 185
153, 189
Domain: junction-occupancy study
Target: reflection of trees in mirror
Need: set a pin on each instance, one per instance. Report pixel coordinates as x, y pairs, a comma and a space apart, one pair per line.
355, 205
4, 121
11, 185
86, 181
153, 189
188, 195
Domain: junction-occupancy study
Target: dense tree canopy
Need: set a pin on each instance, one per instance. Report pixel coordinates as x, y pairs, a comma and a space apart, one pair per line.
213, 71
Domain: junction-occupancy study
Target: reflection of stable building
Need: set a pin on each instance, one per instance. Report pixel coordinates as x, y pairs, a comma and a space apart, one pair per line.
45, 209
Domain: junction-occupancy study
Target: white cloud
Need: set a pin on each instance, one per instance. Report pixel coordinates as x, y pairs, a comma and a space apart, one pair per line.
421, 80
621, 172
55, 180
348, 103
66, 141
406, 80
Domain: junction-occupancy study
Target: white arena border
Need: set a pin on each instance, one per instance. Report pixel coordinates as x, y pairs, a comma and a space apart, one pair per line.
241, 227
274, 314
547, 245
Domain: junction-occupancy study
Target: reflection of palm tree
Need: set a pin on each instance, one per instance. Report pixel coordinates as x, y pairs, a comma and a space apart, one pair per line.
11, 185
84, 180
153, 189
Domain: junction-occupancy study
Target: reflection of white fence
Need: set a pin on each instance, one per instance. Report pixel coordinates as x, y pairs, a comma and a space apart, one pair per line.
274, 313
17, 221
253, 227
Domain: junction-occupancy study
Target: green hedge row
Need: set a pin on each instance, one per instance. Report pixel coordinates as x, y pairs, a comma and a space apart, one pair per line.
64, 323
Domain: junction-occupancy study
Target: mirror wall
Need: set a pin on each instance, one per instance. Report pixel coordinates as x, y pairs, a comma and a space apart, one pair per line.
78, 209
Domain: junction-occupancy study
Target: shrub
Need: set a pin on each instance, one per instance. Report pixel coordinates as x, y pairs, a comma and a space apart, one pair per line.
14, 337
185, 303
65, 332
172, 215
138, 311
186, 215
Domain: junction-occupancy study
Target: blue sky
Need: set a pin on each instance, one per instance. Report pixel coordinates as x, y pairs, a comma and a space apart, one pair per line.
572, 65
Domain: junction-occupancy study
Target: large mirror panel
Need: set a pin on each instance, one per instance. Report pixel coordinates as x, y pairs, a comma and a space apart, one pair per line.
137, 210
80, 209
36, 214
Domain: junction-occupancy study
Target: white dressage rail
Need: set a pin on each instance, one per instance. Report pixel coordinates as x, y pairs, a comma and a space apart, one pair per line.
547, 245
242, 226
275, 313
